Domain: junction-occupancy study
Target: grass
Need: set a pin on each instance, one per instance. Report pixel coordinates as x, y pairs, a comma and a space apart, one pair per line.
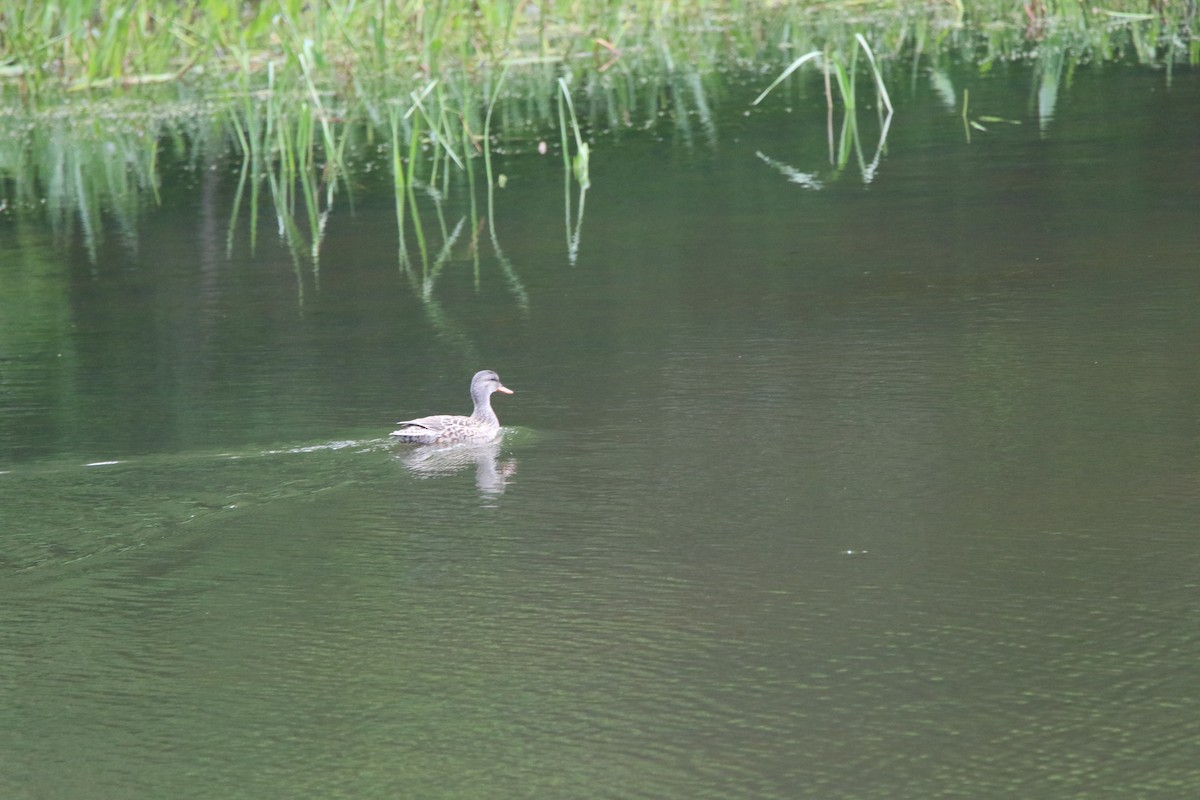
350, 47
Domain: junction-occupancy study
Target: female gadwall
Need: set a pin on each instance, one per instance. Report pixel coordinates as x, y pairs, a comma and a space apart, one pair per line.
481, 426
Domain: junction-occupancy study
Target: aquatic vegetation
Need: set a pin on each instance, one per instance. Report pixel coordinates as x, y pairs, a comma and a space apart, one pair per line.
576, 166
848, 141
300, 95
350, 46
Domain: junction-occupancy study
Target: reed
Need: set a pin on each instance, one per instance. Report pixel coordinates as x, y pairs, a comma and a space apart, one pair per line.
296, 87
346, 46
573, 166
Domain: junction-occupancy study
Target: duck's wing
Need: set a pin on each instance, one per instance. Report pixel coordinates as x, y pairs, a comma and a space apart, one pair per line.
426, 430
435, 423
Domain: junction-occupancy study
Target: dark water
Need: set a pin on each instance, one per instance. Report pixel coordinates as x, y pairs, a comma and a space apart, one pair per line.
876, 490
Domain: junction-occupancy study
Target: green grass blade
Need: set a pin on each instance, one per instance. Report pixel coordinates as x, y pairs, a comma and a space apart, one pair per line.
795, 65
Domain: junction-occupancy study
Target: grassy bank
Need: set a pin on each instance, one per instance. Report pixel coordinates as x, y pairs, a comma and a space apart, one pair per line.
355, 47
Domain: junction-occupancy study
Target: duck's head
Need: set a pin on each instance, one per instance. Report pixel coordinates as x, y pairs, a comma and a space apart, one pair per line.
485, 382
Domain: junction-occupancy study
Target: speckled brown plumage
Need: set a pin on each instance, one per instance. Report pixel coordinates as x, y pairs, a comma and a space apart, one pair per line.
481, 426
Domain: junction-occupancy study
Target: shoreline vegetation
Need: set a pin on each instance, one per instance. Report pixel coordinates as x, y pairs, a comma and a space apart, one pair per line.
352, 48
97, 96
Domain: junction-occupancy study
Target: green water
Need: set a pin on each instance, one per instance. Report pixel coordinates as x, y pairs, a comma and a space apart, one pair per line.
881, 489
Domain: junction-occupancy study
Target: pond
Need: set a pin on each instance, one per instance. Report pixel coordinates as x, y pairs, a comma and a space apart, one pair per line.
876, 480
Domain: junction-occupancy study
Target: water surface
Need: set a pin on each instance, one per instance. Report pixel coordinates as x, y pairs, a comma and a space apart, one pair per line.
882, 489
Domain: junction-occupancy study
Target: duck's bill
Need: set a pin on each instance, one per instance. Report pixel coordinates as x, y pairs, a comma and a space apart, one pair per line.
504, 389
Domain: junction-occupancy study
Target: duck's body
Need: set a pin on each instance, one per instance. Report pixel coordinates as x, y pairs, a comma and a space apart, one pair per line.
482, 426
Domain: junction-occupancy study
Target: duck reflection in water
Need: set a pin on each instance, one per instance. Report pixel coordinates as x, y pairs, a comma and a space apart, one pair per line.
434, 461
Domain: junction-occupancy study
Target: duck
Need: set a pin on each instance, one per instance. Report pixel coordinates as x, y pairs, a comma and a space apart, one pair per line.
479, 428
